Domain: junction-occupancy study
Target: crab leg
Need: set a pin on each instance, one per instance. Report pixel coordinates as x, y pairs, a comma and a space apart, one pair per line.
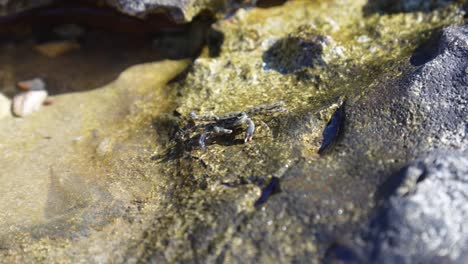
267, 108
216, 130
250, 130
195, 117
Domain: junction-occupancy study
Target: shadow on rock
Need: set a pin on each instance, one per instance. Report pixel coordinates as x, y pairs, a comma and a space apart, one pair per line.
427, 50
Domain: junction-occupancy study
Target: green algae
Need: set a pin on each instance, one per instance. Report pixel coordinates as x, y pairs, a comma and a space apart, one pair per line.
357, 51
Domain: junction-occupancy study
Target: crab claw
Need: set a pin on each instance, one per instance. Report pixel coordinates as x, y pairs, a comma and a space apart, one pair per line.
250, 130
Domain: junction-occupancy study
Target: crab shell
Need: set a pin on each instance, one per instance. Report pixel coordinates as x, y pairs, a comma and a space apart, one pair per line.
28, 102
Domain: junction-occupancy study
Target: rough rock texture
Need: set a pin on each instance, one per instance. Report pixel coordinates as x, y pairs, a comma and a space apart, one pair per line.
179, 10
424, 220
425, 108
115, 183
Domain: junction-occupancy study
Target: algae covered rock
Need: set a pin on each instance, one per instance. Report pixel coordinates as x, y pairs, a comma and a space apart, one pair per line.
296, 51
125, 187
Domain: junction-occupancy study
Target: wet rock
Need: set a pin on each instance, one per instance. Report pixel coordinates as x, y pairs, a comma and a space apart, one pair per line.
423, 221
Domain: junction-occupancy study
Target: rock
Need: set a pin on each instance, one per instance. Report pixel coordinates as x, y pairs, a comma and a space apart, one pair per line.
425, 218
5, 106
386, 6
424, 205
57, 48
125, 207
422, 110
179, 10
300, 49
8, 7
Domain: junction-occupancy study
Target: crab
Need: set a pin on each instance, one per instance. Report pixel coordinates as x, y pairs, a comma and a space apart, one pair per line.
221, 125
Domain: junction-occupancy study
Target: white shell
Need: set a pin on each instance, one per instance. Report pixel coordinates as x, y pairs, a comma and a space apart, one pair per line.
28, 102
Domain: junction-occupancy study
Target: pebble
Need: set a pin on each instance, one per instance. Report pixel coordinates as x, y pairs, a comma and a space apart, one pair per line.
31, 100
58, 48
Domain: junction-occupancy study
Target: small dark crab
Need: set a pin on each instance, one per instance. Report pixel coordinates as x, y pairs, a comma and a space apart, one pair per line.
220, 125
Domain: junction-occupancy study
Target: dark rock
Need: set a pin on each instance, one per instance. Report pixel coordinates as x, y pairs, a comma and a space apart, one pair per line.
296, 51
398, 6
11, 7
423, 110
424, 221
179, 10
424, 210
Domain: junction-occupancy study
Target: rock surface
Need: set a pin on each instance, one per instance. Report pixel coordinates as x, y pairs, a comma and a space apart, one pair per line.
8, 7
179, 10
424, 220
102, 176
